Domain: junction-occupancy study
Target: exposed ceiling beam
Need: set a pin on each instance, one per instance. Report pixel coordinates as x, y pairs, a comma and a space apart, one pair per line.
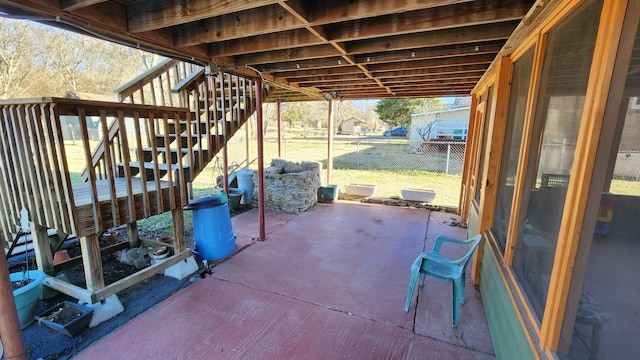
478, 33
153, 15
434, 63
461, 69
260, 21
417, 22
269, 19
296, 8
71, 5
440, 18
389, 57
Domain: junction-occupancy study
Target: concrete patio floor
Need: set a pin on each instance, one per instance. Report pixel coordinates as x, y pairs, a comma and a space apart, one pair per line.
329, 283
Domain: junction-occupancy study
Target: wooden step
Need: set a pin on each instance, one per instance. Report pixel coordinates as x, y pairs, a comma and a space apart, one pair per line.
147, 154
181, 126
149, 167
172, 137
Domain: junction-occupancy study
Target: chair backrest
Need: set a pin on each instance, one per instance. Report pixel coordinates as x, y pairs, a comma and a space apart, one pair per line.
473, 243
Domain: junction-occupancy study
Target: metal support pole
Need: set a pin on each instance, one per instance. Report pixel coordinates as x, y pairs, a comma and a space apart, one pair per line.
279, 108
225, 165
247, 138
330, 143
448, 157
260, 159
9, 324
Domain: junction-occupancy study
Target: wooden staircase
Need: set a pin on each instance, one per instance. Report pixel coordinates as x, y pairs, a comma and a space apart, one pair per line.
140, 156
219, 105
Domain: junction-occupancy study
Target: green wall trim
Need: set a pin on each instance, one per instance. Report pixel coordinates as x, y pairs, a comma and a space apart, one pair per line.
472, 222
507, 335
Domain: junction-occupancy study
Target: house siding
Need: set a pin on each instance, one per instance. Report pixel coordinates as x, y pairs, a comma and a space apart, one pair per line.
507, 335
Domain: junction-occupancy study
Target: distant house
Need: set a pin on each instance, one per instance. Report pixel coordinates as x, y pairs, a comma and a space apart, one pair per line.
351, 126
450, 124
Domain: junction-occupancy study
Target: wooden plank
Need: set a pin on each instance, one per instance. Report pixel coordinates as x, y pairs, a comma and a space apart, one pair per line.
464, 203
92, 262
256, 21
72, 5
156, 170
188, 130
68, 288
39, 188
78, 259
165, 125
163, 101
124, 145
33, 195
491, 172
8, 193
62, 170
43, 167
419, 21
216, 117
180, 176
120, 285
196, 161
179, 242
108, 161
128, 88
143, 17
143, 174
91, 170
16, 152
132, 234
209, 118
238, 101
44, 257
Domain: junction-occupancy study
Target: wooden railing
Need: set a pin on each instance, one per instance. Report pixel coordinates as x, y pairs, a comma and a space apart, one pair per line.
156, 147
36, 170
220, 103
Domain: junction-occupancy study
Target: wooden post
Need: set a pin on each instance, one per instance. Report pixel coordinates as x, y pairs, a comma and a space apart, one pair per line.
132, 234
44, 257
10, 332
179, 244
260, 159
279, 123
330, 143
92, 262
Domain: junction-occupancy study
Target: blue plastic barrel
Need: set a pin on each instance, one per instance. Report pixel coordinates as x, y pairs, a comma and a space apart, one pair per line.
213, 235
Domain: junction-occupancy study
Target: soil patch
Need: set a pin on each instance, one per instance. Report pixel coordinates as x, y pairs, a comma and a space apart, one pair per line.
63, 314
20, 283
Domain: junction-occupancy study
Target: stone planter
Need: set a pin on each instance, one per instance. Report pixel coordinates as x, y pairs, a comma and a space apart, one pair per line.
361, 189
27, 297
420, 195
290, 186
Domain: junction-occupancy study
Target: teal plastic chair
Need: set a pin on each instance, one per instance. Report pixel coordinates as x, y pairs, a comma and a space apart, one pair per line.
433, 264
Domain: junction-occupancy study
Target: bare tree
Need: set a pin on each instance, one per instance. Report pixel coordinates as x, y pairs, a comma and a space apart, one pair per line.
427, 129
16, 54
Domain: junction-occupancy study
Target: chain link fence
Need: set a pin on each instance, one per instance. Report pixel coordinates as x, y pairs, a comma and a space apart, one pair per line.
391, 163
436, 157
